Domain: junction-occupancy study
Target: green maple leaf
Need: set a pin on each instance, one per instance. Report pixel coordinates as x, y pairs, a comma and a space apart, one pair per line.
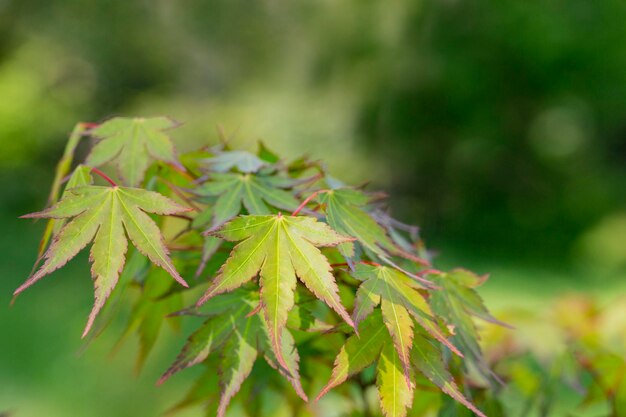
102, 214
240, 340
373, 344
253, 191
80, 176
401, 302
243, 161
211, 335
131, 143
279, 248
155, 303
395, 392
427, 358
345, 214
456, 303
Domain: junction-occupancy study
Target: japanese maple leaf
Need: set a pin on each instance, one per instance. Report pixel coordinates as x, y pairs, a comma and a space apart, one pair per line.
345, 214
102, 214
243, 161
457, 303
240, 340
372, 345
253, 191
131, 143
279, 248
400, 302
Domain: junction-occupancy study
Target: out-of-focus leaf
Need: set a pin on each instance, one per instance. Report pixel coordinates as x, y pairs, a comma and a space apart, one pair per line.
207, 339
150, 312
358, 352
345, 214
239, 354
204, 390
267, 155
243, 161
456, 303
254, 192
131, 143
300, 318
240, 339
400, 300
426, 357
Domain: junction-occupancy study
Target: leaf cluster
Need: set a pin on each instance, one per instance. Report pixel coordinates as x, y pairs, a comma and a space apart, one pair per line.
298, 278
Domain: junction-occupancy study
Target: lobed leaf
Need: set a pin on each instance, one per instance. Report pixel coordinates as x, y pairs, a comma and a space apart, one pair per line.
239, 354
206, 340
279, 248
345, 214
396, 393
131, 143
102, 214
358, 352
456, 304
400, 301
427, 358
254, 192
243, 161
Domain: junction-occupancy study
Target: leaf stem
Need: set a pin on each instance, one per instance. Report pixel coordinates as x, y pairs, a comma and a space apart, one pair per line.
104, 176
306, 201
361, 262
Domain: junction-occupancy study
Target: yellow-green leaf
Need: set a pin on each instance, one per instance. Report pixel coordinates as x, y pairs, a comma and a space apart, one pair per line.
103, 214
358, 352
396, 393
279, 248
427, 358
400, 300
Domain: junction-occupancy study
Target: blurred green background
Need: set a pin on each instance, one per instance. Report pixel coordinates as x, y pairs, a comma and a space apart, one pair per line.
498, 127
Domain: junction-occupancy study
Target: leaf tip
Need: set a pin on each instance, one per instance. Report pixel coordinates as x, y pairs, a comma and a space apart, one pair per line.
323, 392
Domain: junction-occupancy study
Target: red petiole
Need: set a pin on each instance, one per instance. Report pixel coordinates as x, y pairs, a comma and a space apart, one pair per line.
104, 176
307, 200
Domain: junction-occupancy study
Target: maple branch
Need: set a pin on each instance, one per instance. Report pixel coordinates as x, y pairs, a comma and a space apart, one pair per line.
306, 201
104, 176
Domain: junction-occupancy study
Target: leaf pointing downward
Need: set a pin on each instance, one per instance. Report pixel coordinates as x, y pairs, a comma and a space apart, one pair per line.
427, 358
400, 301
358, 352
396, 393
240, 353
102, 214
280, 248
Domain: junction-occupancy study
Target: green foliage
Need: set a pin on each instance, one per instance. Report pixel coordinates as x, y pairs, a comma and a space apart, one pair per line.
131, 143
567, 358
415, 323
102, 214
